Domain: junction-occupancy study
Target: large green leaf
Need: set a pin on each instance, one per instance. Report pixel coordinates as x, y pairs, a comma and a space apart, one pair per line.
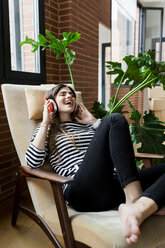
69, 56
137, 69
57, 46
71, 37
98, 110
31, 42
150, 133
42, 38
56, 43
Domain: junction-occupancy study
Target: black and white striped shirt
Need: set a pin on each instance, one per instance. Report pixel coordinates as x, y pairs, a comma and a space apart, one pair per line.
71, 149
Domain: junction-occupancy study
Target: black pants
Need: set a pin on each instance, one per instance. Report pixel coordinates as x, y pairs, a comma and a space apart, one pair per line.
96, 186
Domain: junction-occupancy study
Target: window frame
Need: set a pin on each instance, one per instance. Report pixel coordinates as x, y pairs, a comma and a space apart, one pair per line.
18, 77
143, 21
104, 45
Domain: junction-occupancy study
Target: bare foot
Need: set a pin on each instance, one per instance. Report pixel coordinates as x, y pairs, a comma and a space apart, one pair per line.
132, 215
130, 222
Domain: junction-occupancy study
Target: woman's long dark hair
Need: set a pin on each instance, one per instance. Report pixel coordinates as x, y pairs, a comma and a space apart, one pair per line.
55, 126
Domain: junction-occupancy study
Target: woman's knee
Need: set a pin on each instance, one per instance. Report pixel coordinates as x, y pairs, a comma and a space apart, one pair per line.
116, 118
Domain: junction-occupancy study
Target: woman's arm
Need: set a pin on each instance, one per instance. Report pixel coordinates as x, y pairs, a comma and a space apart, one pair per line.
38, 148
39, 140
35, 157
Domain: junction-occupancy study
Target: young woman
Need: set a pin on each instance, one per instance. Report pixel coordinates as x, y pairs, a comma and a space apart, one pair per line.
82, 147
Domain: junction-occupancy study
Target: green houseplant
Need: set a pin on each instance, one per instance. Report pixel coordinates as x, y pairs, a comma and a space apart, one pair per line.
141, 72
150, 132
57, 46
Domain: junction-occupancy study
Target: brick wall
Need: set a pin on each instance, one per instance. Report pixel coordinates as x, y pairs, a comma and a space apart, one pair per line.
81, 16
61, 15
51, 23
8, 157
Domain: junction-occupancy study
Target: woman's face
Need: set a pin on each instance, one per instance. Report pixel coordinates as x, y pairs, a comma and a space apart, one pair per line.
65, 100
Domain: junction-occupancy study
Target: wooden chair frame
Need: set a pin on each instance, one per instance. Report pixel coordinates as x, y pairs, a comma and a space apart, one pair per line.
56, 182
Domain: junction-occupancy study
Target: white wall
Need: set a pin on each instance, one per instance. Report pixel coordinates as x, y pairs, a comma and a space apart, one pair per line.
129, 6
104, 37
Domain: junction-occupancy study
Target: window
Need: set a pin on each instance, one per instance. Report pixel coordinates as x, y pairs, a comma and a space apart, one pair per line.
152, 23
18, 19
123, 29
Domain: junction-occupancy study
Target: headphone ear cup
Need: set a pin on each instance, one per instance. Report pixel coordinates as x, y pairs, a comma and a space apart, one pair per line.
52, 106
76, 107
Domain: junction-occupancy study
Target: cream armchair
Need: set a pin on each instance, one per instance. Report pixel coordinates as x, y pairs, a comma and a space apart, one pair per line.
89, 229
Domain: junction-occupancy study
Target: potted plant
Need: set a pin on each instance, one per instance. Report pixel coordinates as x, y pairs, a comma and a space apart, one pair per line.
141, 72
150, 132
57, 46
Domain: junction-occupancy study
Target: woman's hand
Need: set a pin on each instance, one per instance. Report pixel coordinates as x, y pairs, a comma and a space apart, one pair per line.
47, 116
39, 140
84, 116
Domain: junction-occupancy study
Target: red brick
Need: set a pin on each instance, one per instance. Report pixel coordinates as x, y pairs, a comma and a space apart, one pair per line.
7, 157
8, 185
5, 149
4, 165
6, 194
7, 171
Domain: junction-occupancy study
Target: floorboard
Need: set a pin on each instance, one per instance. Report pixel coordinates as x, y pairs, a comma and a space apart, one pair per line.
26, 234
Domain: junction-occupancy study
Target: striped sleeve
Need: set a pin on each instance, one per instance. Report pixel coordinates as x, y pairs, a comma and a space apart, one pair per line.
34, 157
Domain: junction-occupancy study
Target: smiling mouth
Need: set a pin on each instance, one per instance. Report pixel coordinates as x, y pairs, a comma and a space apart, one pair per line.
68, 102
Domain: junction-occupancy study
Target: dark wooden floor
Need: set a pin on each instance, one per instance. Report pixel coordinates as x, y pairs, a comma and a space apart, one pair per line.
26, 234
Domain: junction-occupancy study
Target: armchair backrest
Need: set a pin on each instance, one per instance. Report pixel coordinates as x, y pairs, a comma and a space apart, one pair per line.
22, 128
17, 114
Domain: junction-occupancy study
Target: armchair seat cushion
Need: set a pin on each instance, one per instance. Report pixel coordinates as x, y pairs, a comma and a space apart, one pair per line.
94, 227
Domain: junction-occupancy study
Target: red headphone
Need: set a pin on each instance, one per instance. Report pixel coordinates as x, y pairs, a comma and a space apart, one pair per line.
53, 106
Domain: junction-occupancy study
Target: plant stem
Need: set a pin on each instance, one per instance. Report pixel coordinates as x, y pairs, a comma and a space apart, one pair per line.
117, 91
71, 76
140, 86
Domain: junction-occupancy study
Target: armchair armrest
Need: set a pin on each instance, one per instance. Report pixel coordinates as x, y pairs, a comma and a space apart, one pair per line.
147, 158
45, 175
148, 155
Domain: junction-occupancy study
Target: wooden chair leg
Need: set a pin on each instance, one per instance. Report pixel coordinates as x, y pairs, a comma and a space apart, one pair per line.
80, 245
63, 216
18, 206
147, 162
17, 199
35, 217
